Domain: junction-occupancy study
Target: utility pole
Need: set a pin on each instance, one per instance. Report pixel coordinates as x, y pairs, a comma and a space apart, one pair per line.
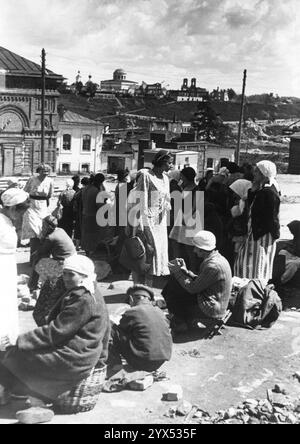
43, 106
238, 150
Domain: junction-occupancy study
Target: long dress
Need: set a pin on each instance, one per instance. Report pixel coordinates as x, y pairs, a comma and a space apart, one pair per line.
40, 193
9, 323
255, 258
154, 197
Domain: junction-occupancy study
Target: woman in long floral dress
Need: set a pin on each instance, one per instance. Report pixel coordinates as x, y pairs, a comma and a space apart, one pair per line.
153, 192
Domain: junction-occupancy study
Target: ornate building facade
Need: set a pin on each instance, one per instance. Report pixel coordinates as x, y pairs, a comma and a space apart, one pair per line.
20, 115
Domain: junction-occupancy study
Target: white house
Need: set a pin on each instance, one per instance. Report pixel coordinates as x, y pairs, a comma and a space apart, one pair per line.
182, 159
79, 144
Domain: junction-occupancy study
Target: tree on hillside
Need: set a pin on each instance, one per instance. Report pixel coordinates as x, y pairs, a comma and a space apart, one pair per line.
208, 125
231, 94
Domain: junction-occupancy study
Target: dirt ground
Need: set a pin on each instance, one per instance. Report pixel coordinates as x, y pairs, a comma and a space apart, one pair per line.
214, 374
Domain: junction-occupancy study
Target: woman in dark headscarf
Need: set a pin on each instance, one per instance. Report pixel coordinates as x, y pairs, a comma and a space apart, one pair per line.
153, 190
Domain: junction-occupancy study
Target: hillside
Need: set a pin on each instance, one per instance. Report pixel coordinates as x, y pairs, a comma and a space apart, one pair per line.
163, 108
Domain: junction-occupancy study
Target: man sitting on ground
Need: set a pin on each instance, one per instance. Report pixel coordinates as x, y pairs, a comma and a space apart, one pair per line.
199, 297
143, 337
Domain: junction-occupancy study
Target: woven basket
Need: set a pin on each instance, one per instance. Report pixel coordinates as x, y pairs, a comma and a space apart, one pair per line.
83, 397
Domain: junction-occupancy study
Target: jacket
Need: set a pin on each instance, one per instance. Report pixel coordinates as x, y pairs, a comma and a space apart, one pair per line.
53, 358
265, 212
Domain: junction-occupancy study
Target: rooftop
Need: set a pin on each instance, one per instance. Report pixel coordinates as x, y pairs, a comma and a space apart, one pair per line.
71, 117
17, 65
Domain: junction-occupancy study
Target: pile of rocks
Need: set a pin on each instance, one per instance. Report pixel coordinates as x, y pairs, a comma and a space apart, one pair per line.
277, 408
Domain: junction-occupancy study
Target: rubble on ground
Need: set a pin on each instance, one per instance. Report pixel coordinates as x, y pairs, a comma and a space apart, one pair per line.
278, 408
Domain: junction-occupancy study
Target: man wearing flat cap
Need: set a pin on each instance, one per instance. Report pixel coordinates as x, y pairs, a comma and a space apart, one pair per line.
143, 337
203, 296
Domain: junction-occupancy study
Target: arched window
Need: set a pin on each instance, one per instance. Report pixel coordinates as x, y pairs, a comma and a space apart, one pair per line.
86, 143
67, 142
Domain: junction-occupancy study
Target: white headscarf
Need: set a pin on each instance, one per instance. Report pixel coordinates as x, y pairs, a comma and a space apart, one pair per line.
241, 188
269, 170
13, 197
82, 265
174, 175
69, 183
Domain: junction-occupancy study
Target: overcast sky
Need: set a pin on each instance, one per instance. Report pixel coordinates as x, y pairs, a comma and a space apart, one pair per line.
162, 40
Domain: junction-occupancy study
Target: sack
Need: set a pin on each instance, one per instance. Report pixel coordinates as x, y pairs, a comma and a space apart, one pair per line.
135, 247
256, 305
134, 255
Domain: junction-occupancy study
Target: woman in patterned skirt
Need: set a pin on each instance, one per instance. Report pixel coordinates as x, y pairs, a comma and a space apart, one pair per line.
256, 256
153, 191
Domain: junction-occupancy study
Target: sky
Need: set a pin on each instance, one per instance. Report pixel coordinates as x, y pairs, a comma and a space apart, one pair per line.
162, 40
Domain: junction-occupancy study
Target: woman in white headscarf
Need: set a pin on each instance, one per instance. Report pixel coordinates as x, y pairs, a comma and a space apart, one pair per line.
15, 204
256, 256
51, 360
238, 224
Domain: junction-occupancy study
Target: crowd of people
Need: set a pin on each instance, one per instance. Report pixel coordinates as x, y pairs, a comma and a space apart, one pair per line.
191, 256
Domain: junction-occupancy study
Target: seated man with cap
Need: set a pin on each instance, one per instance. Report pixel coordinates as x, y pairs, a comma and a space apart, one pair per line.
143, 337
200, 297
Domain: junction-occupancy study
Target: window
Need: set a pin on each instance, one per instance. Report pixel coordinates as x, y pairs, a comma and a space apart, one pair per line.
66, 168
39, 105
67, 142
210, 163
85, 168
187, 162
86, 143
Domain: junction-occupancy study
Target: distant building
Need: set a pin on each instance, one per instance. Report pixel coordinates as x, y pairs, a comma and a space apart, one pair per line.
20, 115
121, 156
190, 93
220, 95
155, 90
182, 159
170, 126
79, 144
119, 83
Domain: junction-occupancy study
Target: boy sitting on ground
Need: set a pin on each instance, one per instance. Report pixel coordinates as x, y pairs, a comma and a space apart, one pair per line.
143, 337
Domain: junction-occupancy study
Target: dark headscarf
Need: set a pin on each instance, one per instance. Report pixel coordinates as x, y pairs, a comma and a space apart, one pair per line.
161, 157
294, 228
189, 173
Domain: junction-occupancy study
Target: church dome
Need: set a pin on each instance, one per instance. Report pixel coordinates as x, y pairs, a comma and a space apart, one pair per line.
120, 74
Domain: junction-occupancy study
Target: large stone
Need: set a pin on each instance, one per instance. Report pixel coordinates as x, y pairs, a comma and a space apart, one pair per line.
251, 403
254, 421
174, 393
281, 400
141, 384
35, 415
231, 413
297, 376
184, 408
281, 389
